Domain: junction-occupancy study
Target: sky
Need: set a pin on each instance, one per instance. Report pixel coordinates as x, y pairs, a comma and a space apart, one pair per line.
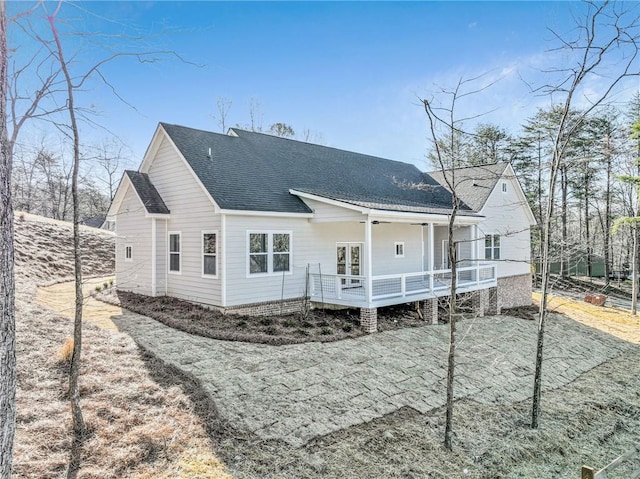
351, 73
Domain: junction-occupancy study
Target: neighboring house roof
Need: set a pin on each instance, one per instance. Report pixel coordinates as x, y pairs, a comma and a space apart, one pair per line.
147, 192
94, 221
255, 172
473, 184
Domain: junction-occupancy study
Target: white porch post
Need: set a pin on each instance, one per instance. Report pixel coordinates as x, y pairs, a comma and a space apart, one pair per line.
431, 255
368, 258
154, 261
474, 251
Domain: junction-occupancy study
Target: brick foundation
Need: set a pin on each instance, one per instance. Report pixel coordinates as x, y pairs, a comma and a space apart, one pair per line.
267, 308
480, 302
493, 304
514, 291
369, 319
430, 310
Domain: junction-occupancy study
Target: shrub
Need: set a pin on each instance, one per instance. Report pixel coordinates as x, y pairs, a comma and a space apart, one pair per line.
289, 323
271, 330
98, 287
66, 351
105, 284
111, 282
326, 331
347, 328
266, 321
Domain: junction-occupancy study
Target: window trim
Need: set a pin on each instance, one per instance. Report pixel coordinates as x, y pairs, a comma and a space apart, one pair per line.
128, 257
493, 246
203, 254
395, 249
169, 252
269, 253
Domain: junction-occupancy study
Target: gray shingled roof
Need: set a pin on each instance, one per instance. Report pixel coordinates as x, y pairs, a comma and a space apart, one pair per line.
473, 184
147, 192
254, 171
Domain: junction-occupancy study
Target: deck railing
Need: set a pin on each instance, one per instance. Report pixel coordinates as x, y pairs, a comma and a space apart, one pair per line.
353, 289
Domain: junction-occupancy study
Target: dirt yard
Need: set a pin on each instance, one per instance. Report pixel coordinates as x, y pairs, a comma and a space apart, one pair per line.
150, 420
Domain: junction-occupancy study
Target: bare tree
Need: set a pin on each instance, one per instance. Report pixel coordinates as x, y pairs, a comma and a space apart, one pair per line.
223, 105
7, 279
79, 426
448, 140
282, 129
605, 31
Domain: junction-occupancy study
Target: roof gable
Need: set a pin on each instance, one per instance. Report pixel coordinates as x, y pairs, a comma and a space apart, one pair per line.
473, 184
253, 171
147, 193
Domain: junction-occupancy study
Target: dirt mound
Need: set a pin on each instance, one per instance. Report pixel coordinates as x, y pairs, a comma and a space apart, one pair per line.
44, 249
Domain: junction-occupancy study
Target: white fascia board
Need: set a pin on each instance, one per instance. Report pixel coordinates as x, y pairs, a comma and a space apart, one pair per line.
165, 216
121, 192
406, 217
322, 199
281, 214
150, 156
397, 216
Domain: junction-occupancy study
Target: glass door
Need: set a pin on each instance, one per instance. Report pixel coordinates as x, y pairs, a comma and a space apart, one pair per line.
348, 257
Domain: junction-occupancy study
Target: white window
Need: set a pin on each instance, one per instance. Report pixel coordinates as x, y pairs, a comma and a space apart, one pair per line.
492, 247
175, 245
504, 186
399, 248
210, 253
269, 252
128, 252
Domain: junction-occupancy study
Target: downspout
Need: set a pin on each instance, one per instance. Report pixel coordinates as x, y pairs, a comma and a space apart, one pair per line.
166, 263
223, 260
153, 257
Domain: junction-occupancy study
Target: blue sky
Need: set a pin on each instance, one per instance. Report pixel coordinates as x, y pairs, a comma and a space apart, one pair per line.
351, 73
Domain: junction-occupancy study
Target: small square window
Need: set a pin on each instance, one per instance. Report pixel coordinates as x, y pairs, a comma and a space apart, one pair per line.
399, 247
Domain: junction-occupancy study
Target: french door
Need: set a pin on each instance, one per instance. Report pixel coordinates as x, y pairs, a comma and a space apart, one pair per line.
348, 262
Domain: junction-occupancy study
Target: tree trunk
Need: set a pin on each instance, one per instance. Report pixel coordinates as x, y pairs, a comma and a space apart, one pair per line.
7, 278
607, 215
74, 372
451, 359
564, 185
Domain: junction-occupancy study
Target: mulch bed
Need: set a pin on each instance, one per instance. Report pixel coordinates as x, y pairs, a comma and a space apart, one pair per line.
318, 326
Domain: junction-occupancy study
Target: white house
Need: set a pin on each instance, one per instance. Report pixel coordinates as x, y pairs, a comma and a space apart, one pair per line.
249, 222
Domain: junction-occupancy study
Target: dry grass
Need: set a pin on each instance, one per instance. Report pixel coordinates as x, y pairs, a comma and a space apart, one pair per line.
615, 321
138, 428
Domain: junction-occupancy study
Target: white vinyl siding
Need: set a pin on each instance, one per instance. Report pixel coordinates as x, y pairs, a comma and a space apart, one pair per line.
133, 230
192, 212
505, 215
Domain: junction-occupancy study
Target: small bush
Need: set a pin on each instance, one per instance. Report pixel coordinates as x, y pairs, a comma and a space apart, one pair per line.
266, 321
302, 332
326, 331
323, 324
289, 323
347, 328
105, 285
98, 287
271, 330
66, 351
110, 282
241, 324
